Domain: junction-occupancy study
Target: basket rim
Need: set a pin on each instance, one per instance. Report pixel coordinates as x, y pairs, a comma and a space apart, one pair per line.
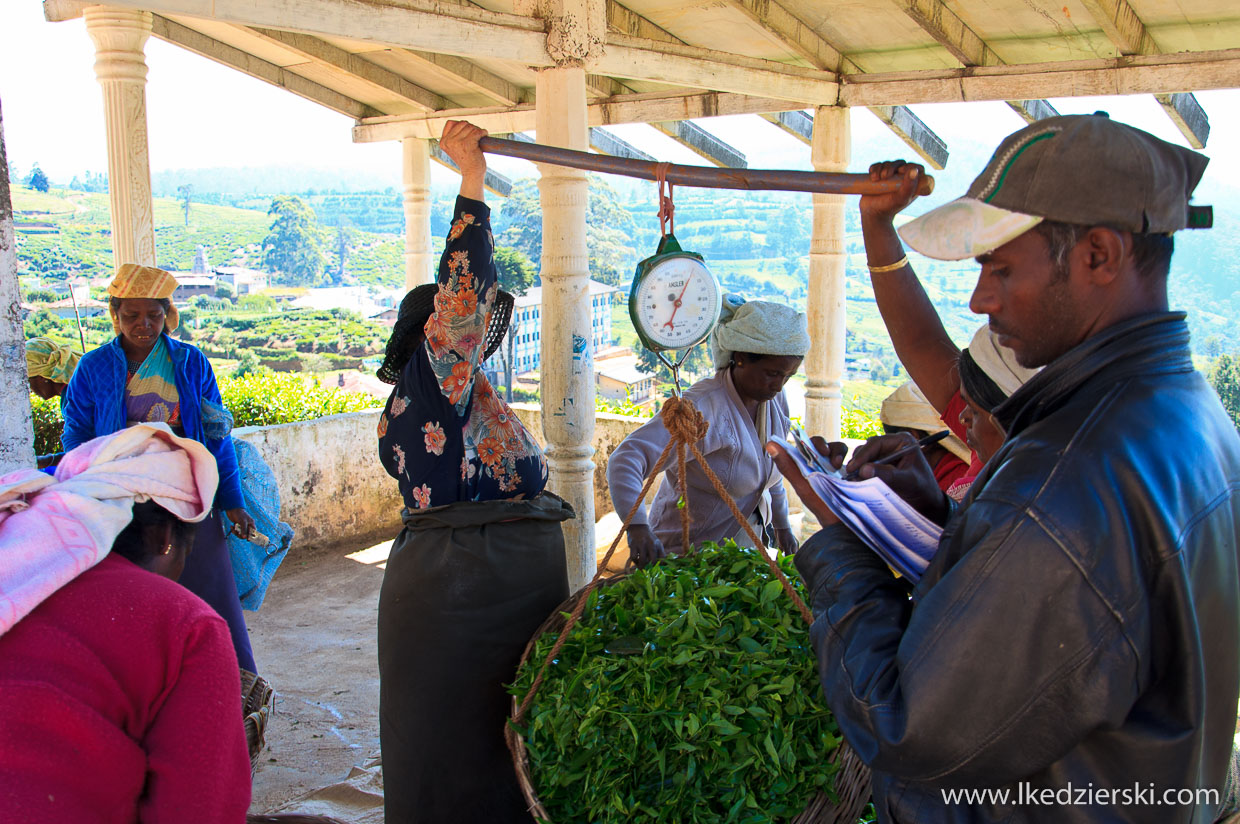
821, 809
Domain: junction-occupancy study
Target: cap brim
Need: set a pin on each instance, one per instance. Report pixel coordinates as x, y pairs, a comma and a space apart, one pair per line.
964, 228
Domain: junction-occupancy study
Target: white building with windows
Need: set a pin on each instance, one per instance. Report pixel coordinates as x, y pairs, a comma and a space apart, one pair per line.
527, 325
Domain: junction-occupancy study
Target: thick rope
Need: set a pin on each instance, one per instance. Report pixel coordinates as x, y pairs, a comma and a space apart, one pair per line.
667, 211
753, 536
685, 427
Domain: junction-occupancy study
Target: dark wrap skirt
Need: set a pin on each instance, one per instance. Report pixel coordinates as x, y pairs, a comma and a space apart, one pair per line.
466, 586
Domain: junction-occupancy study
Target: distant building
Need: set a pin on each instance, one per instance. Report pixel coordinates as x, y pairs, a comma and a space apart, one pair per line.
620, 379
86, 308
200, 261
243, 281
527, 326
190, 286
387, 317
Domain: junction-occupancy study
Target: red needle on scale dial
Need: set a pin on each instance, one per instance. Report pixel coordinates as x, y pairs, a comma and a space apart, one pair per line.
676, 305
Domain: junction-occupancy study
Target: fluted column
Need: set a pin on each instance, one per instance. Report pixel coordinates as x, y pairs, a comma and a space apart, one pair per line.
416, 172
567, 369
824, 365
120, 66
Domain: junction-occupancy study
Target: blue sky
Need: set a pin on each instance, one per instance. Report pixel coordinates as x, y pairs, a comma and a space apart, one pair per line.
201, 114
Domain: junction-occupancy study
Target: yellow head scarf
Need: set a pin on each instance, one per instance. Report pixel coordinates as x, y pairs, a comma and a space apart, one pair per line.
47, 359
908, 407
135, 281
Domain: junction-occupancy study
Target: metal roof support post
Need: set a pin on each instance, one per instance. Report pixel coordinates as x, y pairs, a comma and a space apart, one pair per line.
120, 66
416, 174
567, 369
16, 430
824, 365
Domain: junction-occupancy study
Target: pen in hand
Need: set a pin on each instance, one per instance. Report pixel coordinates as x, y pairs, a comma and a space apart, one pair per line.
905, 450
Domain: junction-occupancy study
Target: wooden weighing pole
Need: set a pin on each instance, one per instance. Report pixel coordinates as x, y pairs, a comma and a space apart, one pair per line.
705, 177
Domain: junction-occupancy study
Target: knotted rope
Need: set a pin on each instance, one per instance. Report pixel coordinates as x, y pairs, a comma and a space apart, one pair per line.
667, 210
685, 427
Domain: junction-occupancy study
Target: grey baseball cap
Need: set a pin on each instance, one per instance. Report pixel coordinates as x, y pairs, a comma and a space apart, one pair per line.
1084, 169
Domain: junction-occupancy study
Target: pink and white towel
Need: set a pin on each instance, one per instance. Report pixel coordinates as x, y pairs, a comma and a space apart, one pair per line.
53, 529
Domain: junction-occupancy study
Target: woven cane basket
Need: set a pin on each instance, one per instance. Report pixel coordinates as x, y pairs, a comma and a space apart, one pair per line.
256, 696
852, 778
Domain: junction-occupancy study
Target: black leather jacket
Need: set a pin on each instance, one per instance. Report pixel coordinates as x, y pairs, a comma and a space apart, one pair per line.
1079, 629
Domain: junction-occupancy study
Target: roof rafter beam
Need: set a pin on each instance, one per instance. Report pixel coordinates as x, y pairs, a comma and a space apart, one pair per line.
212, 49
1188, 116
493, 181
475, 77
1124, 28
1145, 74
633, 108
428, 25
325, 54
607, 143
964, 44
902, 121
1121, 25
794, 33
796, 123
601, 141
804, 41
692, 137
701, 142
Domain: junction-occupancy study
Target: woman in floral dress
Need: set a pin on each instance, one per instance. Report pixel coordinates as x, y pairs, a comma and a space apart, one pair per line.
480, 562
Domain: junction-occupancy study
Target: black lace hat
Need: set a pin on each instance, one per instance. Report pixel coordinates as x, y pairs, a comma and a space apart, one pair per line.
416, 309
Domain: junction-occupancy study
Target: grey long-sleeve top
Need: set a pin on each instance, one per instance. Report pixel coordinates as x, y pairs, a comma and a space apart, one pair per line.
734, 449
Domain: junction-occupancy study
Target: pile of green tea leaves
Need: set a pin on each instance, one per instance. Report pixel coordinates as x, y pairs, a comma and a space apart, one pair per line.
688, 692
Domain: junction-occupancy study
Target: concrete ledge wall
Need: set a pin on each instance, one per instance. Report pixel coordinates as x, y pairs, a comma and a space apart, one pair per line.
332, 487
333, 490
609, 430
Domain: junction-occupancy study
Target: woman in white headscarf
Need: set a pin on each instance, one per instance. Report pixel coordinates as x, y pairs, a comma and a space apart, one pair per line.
756, 347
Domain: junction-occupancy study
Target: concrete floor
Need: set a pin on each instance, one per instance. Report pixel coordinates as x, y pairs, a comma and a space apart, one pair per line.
315, 640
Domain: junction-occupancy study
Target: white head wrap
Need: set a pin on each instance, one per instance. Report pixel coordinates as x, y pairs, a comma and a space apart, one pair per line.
759, 327
998, 362
907, 407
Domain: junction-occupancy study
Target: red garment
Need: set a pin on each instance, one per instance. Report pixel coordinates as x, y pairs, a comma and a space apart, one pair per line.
120, 702
951, 417
949, 470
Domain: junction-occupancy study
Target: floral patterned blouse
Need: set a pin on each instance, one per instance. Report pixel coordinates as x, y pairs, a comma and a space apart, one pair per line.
445, 435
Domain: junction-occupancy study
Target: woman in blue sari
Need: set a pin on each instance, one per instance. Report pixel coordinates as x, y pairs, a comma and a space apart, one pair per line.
145, 375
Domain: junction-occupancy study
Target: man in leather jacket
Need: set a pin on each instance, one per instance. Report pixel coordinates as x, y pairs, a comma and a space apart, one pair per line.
1071, 652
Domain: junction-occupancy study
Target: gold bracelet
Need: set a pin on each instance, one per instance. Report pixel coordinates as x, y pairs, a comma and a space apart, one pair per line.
890, 267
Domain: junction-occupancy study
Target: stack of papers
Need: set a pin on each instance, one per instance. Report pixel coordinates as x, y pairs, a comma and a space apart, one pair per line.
904, 538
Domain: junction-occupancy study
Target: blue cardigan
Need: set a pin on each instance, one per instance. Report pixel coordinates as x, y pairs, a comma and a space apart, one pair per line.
94, 405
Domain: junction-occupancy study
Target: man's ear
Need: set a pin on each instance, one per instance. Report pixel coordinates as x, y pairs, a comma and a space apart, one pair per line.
1104, 253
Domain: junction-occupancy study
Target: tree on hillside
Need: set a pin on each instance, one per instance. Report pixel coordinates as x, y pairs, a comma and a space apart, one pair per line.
37, 180
609, 229
292, 247
1225, 377
344, 245
515, 270
186, 195
697, 365
516, 274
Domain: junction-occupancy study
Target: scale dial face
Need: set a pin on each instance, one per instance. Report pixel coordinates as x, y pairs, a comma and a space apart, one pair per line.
676, 303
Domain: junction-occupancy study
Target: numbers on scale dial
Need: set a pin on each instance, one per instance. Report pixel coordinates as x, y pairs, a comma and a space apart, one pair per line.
677, 302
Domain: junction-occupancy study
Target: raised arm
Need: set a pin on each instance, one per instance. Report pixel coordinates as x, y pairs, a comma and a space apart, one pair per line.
921, 342
467, 278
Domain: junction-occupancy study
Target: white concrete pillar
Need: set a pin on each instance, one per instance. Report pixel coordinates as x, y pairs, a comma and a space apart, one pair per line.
824, 365
16, 430
416, 173
567, 368
120, 66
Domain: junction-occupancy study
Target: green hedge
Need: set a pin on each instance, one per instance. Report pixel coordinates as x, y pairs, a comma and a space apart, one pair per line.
254, 400
264, 400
